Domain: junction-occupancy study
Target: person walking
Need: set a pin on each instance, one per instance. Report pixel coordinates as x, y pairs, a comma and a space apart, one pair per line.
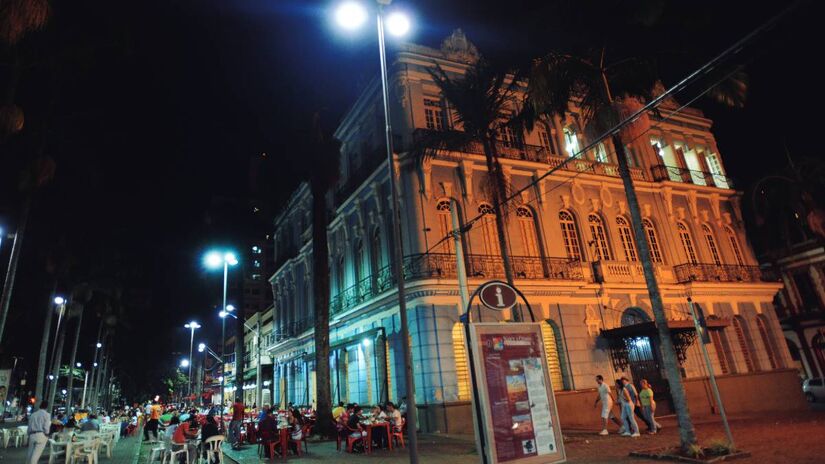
153, 412
629, 397
606, 399
236, 422
38, 430
648, 406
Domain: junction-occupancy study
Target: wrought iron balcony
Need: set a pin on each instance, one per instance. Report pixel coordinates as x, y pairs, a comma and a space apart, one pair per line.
621, 271
443, 266
703, 272
676, 174
522, 151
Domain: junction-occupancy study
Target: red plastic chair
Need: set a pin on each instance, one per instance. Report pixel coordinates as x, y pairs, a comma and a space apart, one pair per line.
398, 433
352, 440
251, 437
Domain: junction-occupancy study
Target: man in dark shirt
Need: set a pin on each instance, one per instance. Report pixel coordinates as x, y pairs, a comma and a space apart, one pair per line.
237, 421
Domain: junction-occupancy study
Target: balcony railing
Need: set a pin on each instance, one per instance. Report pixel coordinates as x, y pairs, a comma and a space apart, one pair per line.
703, 272
621, 272
443, 266
676, 174
522, 151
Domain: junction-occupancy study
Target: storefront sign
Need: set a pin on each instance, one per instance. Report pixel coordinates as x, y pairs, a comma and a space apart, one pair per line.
497, 295
515, 394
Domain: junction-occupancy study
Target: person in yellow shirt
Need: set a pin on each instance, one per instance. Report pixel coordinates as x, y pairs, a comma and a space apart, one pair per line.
338, 411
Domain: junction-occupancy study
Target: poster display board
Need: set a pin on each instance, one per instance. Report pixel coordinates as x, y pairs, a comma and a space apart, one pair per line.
519, 417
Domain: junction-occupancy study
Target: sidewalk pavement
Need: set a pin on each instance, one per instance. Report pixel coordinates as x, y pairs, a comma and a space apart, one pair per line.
431, 449
126, 452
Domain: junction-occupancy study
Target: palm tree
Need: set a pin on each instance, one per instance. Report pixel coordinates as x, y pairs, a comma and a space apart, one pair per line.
323, 157
602, 93
484, 101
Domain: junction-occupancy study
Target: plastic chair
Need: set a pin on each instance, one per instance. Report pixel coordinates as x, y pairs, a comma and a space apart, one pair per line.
55, 450
397, 434
158, 452
352, 440
87, 452
23, 431
107, 440
305, 432
176, 453
213, 447
15, 438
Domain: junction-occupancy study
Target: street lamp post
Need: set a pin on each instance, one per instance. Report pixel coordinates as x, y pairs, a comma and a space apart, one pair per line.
352, 15
85, 384
258, 376
191, 326
214, 260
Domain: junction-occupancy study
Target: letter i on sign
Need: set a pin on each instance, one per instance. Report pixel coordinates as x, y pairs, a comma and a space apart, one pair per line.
499, 298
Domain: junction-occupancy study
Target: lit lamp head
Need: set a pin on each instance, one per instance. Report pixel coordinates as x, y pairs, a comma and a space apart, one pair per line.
184, 363
79, 365
397, 24
201, 347
59, 300
99, 345
351, 15
192, 325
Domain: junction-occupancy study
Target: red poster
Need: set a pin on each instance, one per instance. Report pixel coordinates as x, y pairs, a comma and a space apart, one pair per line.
516, 395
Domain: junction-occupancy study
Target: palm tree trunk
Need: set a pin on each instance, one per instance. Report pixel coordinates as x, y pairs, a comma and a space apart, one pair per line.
44, 348
500, 189
320, 289
58, 358
14, 259
239, 349
72, 360
687, 434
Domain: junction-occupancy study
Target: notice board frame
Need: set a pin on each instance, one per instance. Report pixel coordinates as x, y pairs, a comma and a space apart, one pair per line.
481, 390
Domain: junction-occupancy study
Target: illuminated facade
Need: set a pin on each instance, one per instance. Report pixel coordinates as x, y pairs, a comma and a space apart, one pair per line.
571, 244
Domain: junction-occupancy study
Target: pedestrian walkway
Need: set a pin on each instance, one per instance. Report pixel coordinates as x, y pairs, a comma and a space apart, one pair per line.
434, 449
126, 452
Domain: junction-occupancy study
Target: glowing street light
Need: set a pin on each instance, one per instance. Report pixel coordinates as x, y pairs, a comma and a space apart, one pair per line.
214, 260
350, 16
59, 300
184, 363
201, 347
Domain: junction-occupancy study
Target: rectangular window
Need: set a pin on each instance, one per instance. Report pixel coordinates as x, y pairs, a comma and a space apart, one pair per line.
600, 153
547, 141
434, 114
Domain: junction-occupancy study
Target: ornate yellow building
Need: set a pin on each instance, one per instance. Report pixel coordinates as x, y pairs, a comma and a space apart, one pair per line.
572, 252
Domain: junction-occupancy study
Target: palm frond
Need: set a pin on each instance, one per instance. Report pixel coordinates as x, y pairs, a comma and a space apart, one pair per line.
733, 91
17, 17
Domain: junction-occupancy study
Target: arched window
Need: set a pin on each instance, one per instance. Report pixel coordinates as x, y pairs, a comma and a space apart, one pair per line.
687, 242
571, 142
570, 235
358, 258
445, 223
652, 241
527, 229
723, 352
626, 236
745, 343
488, 229
551, 350
376, 252
762, 325
734, 245
462, 371
339, 274
597, 234
711, 243
634, 315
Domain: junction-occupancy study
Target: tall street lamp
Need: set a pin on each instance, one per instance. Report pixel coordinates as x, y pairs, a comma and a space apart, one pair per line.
352, 15
258, 376
191, 326
214, 260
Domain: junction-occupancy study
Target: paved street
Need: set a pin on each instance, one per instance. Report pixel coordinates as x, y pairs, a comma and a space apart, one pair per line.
770, 439
124, 453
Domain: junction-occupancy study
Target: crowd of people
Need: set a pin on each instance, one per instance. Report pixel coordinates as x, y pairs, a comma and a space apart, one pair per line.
632, 403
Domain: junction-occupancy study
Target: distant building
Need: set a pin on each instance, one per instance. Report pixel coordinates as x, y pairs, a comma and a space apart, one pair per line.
572, 253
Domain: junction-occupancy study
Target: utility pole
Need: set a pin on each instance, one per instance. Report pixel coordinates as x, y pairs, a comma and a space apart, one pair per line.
40, 381
72, 360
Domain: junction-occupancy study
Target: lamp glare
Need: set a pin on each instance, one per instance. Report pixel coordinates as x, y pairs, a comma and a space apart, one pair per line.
398, 24
351, 15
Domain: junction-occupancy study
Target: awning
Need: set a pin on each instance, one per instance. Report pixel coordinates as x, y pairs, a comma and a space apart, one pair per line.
682, 333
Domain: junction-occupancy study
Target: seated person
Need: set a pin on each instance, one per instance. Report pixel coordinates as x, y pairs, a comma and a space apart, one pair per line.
268, 431
56, 425
379, 434
90, 424
394, 417
187, 430
169, 434
295, 433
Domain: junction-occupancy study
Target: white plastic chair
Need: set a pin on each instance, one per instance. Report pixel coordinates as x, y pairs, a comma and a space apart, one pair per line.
23, 431
86, 452
158, 452
174, 454
214, 448
15, 438
107, 440
55, 450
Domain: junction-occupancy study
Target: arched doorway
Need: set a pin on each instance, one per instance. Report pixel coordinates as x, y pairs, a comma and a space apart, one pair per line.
643, 358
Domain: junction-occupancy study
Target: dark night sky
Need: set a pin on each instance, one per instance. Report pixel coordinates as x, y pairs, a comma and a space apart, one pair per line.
159, 105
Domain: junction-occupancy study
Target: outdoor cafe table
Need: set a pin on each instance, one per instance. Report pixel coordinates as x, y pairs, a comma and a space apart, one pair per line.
371, 425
